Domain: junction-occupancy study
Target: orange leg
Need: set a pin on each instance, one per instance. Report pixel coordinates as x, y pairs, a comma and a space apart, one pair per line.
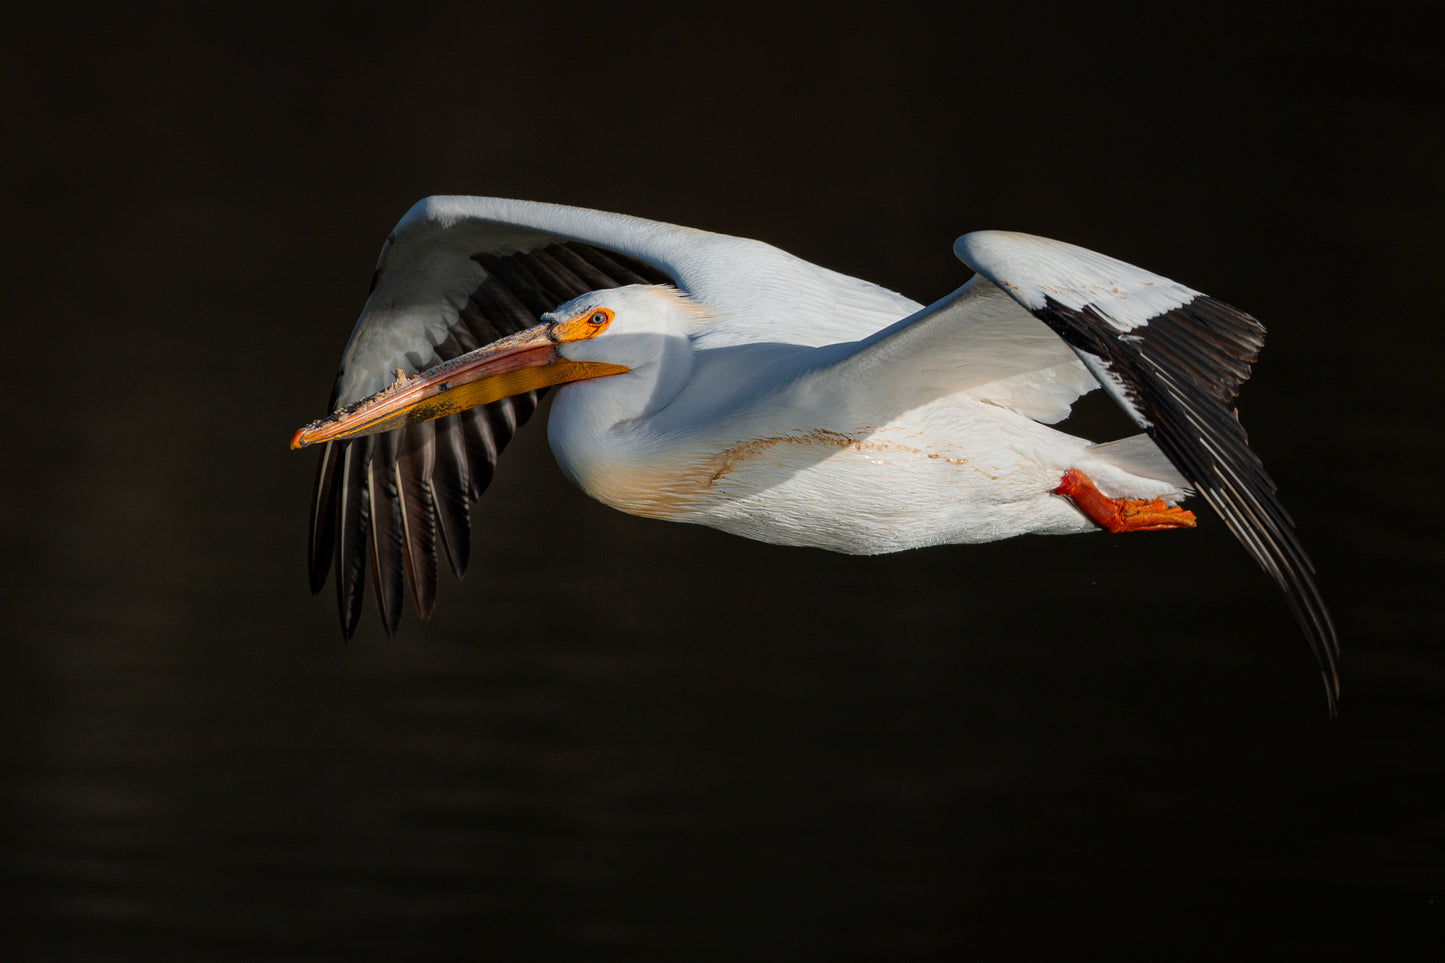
1120, 514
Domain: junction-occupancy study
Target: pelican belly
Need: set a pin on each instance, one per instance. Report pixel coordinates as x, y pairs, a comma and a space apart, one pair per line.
884, 492
957, 473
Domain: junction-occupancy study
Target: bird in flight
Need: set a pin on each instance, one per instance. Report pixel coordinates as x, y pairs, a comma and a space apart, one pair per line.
721, 381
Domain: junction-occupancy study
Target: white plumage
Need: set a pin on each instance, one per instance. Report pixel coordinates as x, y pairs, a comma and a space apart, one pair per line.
877, 451
721, 381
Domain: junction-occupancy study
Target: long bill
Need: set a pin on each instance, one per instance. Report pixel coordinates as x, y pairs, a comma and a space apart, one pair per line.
521, 362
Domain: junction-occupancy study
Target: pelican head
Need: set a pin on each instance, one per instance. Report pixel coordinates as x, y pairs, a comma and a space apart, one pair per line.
632, 326
601, 333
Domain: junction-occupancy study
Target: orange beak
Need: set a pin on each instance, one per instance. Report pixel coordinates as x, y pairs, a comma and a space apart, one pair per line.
521, 362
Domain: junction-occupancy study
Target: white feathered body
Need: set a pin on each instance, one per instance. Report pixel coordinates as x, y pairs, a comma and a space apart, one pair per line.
768, 442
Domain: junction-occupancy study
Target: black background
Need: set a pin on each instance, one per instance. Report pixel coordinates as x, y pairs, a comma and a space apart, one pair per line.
625, 739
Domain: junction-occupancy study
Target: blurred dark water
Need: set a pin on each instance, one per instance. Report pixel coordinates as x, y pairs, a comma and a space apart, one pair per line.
624, 739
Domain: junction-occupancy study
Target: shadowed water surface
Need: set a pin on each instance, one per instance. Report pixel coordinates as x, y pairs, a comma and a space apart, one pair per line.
686, 743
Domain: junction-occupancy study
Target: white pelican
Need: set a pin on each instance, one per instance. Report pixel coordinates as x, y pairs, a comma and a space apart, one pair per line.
719, 380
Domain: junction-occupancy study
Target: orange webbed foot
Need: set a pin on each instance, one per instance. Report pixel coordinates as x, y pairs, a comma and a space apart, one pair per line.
1120, 514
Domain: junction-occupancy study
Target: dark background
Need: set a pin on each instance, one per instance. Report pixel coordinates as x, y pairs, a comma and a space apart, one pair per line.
625, 739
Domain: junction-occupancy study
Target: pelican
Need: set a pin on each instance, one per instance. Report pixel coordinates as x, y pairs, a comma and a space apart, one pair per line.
721, 381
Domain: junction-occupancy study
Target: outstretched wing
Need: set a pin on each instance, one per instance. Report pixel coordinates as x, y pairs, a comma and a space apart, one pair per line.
976, 343
404, 497
460, 272
1174, 359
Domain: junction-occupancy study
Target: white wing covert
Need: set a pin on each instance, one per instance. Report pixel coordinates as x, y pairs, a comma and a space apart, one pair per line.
976, 343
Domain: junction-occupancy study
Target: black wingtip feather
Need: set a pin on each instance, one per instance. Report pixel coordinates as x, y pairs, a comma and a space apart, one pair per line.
321, 545
353, 517
386, 549
414, 466
450, 483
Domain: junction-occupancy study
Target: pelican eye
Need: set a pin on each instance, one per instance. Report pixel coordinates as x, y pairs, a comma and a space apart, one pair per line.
598, 317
